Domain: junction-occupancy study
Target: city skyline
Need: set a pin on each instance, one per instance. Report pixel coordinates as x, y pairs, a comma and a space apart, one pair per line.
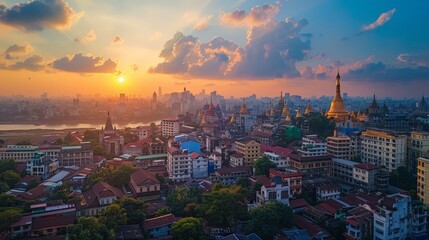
237, 48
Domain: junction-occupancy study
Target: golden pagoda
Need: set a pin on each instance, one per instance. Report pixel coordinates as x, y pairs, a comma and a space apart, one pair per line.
203, 121
285, 110
232, 120
272, 112
243, 109
298, 113
338, 109
308, 109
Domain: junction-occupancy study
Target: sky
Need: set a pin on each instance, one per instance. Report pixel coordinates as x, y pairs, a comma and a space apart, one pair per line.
69, 47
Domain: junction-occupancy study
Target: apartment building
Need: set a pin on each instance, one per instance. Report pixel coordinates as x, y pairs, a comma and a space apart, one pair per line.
384, 148
250, 149
170, 127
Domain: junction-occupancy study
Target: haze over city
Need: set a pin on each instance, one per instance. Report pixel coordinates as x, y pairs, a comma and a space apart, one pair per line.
235, 47
214, 119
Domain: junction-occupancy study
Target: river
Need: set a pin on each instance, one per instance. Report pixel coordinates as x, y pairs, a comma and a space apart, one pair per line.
9, 127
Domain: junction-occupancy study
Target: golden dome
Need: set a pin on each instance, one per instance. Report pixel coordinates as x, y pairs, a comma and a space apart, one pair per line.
232, 120
298, 114
338, 109
243, 109
285, 110
308, 109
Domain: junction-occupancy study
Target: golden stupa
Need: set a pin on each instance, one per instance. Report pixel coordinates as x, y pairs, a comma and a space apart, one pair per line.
308, 108
338, 109
243, 109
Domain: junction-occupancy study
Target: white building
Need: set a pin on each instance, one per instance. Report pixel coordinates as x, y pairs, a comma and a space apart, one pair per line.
384, 148
236, 160
170, 127
23, 153
39, 165
179, 165
392, 218
278, 159
216, 158
200, 165
142, 132
328, 191
312, 146
273, 190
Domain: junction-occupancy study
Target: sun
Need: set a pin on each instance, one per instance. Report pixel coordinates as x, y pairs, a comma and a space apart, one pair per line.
121, 79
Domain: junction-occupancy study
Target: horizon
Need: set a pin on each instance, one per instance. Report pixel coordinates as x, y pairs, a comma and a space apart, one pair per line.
236, 48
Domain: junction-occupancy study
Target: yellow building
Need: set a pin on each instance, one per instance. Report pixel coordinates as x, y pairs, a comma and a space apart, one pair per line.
423, 180
418, 146
338, 110
250, 149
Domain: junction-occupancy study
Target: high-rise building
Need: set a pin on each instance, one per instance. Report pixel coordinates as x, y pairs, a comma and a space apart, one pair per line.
340, 146
312, 146
418, 146
170, 127
384, 148
423, 180
250, 149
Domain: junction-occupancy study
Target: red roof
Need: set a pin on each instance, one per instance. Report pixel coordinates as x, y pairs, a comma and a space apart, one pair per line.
195, 155
277, 150
366, 166
229, 170
143, 177
237, 155
33, 193
298, 203
311, 227
263, 179
53, 222
352, 222
284, 175
159, 221
330, 206
100, 190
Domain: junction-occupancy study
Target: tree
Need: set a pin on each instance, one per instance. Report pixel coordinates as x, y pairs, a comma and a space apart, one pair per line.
8, 217
177, 201
24, 142
321, 125
243, 182
10, 177
401, 178
213, 207
68, 139
113, 216
162, 212
89, 228
91, 136
262, 166
120, 176
134, 209
7, 200
268, 219
189, 228
7, 165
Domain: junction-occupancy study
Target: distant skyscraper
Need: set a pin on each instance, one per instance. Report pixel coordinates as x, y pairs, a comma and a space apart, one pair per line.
122, 97
159, 91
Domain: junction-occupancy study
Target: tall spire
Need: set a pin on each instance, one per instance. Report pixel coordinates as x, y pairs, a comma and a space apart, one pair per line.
308, 109
338, 109
243, 109
108, 126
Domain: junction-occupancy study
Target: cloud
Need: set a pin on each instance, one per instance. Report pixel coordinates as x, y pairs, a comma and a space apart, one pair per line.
134, 68
16, 51
414, 59
39, 14
271, 51
89, 37
33, 63
258, 15
117, 41
378, 71
381, 20
80, 63
203, 23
